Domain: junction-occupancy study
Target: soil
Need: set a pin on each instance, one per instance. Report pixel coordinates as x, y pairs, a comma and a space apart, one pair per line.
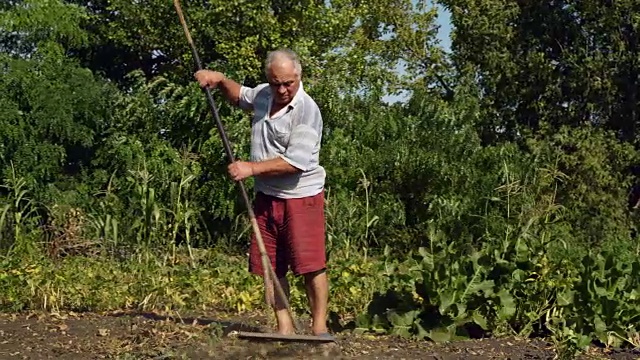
122, 335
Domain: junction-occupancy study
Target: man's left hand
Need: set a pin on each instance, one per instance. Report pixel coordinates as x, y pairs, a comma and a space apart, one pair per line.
240, 170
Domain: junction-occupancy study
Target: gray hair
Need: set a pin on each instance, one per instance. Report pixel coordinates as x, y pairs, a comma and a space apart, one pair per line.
283, 53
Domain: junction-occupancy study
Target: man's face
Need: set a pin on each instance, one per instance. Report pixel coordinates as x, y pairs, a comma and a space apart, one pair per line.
283, 81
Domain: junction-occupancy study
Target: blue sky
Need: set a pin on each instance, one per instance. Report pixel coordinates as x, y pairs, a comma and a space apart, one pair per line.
444, 33
444, 21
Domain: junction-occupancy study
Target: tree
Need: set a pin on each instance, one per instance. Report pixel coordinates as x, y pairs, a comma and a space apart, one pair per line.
561, 62
53, 110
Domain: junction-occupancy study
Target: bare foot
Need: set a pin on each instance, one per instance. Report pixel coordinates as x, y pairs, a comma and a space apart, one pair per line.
319, 330
286, 332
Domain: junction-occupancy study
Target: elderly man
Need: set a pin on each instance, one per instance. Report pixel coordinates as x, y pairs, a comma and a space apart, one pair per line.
286, 132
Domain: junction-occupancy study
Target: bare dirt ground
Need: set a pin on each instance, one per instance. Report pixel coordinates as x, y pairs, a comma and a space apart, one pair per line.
151, 336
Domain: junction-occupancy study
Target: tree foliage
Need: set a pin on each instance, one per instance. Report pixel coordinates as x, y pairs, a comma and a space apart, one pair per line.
562, 62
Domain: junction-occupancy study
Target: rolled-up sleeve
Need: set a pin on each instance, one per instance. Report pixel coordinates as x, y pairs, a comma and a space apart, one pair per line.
303, 141
303, 147
248, 96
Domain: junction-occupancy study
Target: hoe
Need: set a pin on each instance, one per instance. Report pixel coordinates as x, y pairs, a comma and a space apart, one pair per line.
266, 264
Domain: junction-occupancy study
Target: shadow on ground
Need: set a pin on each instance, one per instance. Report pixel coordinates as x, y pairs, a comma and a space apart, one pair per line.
228, 325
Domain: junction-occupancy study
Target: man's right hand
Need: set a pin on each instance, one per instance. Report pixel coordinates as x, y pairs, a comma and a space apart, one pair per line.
208, 78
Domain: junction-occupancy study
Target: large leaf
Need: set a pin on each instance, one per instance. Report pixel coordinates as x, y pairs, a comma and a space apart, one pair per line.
507, 305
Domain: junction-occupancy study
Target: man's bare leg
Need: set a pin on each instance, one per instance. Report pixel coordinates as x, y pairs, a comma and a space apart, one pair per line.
317, 286
285, 323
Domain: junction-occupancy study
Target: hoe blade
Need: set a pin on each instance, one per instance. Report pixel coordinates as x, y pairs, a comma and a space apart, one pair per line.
279, 337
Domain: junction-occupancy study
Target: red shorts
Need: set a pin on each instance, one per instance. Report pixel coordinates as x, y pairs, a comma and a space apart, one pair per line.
293, 232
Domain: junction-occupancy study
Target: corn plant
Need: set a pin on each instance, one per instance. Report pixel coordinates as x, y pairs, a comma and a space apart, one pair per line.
18, 218
350, 224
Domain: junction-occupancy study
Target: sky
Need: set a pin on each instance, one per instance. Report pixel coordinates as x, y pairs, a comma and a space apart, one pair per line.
444, 33
444, 21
